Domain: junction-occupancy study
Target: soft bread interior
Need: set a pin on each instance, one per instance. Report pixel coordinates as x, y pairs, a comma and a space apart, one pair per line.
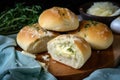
39, 45
66, 51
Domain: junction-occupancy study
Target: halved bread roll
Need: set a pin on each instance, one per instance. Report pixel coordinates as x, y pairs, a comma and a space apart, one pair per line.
58, 19
69, 50
33, 39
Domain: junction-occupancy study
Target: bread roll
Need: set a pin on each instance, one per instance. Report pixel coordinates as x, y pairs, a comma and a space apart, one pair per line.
33, 39
69, 50
97, 34
58, 19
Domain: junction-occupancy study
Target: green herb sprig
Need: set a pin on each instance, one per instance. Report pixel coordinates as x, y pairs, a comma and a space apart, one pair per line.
12, 20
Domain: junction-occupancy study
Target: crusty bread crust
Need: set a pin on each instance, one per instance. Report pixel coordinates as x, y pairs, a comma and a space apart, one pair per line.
58, 19
33, 39
97, 34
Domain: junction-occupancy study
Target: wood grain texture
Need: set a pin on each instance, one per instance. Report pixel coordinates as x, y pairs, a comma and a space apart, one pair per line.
99, 59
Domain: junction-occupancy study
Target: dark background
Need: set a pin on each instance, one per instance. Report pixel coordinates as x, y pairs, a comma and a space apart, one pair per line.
71, 4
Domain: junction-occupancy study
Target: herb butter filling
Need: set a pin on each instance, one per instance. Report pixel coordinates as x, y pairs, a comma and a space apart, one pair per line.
66, 49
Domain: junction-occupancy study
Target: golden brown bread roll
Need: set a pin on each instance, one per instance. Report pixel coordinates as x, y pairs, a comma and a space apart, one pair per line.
58, 19
97, 34
33, 39
69, 50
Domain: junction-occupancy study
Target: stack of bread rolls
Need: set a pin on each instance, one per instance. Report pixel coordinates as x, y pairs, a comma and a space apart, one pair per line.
67, 40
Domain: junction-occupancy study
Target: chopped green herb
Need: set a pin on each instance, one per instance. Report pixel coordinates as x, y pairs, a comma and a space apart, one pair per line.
70, 50
85, 35
87, 25
93, 22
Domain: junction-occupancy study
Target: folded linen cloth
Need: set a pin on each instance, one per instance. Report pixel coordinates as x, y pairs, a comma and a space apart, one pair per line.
16, 66
105, 74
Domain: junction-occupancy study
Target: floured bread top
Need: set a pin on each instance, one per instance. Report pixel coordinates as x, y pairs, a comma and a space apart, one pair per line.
36, 31
58, 19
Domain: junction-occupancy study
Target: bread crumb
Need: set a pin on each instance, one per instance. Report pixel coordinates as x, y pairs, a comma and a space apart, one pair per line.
43, 65
46, 57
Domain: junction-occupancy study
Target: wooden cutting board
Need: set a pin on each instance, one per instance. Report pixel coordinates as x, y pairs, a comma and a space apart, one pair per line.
99, 59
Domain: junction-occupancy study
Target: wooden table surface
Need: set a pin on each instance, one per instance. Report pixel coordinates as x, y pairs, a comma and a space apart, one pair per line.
99, 59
